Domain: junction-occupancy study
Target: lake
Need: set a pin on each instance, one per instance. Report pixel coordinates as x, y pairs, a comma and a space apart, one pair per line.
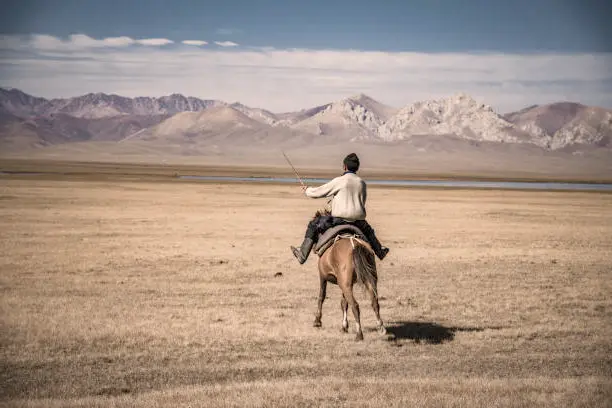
515, 185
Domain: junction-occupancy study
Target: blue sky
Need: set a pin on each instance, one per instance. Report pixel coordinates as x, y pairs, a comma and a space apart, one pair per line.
507, 53
393, 25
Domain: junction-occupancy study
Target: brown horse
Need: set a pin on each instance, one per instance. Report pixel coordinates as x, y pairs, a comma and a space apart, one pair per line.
349, 260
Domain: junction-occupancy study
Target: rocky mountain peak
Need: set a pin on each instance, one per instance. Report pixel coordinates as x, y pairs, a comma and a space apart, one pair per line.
459, 115
19, 103
260, 115
351, 113
361, 98
100, 105
562, 124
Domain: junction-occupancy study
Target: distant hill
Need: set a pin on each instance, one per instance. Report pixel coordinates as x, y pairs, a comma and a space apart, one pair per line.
565, 124
455, 123
355, 118
99, 105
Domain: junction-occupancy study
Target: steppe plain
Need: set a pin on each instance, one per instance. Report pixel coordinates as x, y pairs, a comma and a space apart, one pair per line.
124, 290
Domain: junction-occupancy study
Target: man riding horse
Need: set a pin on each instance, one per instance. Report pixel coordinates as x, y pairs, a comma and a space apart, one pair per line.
348, 193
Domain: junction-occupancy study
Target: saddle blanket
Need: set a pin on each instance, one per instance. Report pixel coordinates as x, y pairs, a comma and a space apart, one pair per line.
327, 238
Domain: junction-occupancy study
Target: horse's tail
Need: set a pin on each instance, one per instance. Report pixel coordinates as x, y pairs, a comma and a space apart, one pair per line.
365, 267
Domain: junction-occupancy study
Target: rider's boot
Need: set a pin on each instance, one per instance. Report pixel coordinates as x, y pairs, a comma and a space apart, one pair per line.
302, 253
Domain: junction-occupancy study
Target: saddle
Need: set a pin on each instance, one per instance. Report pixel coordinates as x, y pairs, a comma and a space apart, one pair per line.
328, 237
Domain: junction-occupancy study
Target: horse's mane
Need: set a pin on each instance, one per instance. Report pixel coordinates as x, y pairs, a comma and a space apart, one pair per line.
322, 212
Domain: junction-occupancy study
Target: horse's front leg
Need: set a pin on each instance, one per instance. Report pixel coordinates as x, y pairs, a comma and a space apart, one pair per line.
322, 294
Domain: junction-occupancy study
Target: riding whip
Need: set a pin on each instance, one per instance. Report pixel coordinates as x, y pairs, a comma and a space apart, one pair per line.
294, 170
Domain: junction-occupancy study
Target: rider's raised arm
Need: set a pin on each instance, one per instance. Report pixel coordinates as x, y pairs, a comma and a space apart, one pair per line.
326, 190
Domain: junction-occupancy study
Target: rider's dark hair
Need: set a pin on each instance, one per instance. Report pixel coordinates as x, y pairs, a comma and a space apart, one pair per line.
351, 162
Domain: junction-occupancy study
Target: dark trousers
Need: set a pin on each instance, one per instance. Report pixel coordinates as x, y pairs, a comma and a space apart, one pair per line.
322, 223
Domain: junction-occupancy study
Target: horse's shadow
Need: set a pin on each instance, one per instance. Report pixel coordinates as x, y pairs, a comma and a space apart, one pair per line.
425, 332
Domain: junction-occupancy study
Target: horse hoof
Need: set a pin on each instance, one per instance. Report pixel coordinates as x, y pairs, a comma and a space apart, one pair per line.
382, 330
344, 329
359, 336
317, 323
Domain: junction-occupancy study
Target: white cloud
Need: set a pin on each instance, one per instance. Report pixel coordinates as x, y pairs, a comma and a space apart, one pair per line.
155, 41
81, 41
289, 79
41, 41
226, 43
11, 42
84, 41
194, 42
118, 41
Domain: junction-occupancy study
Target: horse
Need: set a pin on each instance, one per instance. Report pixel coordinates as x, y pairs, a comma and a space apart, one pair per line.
349, 260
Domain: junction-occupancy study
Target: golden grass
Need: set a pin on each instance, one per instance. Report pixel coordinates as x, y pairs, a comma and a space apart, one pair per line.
144, 294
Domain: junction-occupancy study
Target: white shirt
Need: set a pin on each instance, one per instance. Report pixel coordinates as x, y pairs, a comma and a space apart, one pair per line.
349, 196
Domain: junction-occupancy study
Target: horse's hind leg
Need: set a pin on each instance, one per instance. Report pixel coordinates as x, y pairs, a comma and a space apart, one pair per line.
344, 306
376, 307
348, 295
322, 294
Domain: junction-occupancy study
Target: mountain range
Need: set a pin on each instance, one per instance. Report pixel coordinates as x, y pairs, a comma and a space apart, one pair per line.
28, 122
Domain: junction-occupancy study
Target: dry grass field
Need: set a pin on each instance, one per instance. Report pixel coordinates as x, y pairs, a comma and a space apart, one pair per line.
152, 294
